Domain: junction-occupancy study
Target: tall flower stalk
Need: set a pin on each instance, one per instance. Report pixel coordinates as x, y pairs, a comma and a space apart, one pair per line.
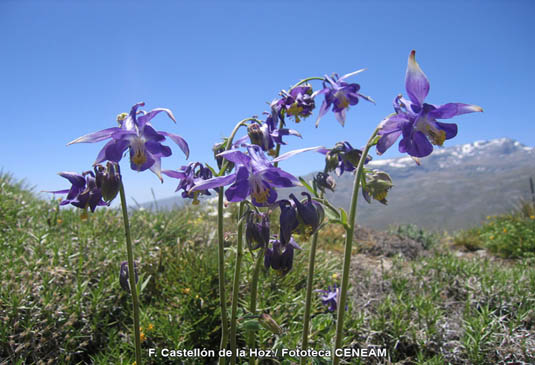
131, 274
236, 284
350, 229
308, 300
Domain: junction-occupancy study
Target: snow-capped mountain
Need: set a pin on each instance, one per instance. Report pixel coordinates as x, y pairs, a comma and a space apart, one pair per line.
455, 187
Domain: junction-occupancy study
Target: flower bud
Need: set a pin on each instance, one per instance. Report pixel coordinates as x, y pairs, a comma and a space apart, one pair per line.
310, 213
324, 181
108, 180
256, 134
124, 279
378, 183
217, 149
257, 230
288, 221
269, 323
280, 258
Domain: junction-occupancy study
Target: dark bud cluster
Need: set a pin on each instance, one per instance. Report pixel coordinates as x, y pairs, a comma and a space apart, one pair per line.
108, 180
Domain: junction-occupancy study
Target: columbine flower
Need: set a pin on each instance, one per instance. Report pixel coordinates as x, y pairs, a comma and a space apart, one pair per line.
254, 175
340, 95
378, 183
342, 157
310, 213
84, 192
136, 134
324, 181
416, 120
108, 180
257, 230
267, 134
124, 279
188, 176
288, 220
330, 297
298, 103
280, 257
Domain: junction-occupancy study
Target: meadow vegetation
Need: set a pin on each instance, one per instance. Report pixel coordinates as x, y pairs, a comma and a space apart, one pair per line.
464, 299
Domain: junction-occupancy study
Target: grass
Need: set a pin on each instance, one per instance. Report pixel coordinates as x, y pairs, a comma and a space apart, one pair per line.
61, 302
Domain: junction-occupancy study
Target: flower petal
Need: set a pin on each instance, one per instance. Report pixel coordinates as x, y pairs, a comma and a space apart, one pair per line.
238, 191
95, 136
213, 183
235, 156
450, 110
449, 128
387, 140
289, 154
143, 119
416, 82
416, 145
181, 142
351, 74
112, 151
74, 178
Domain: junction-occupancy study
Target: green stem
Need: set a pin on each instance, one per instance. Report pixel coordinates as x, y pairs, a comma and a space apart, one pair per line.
240, 124
221, 272
221, 245
252, 305
307, 80
348, 246
236, 285
131, 274
308, 300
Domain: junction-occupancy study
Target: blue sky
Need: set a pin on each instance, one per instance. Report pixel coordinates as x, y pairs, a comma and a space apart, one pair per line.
68, 68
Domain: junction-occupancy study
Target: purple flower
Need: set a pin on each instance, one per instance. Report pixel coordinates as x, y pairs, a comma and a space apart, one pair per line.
136, 134
254, 175
340, 95
310, 213
342, 157
189, 175
297, 103
330, 297
288, 220
280, 257
83, 193
417, 121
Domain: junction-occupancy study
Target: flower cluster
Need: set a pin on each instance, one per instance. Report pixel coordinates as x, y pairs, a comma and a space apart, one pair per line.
188, 176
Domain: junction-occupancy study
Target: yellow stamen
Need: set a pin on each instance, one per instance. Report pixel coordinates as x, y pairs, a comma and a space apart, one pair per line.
380, 195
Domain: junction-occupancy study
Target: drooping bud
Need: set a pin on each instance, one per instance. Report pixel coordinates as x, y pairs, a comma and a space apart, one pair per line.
324, 181
310, 214
108, 180
124, 279
269, 323
257, 230
288, 221
91, 196
259, 136
343, 157
217, 149
378, 183
280, 258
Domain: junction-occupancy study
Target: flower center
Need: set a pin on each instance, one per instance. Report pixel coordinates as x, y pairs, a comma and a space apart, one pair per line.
343, 101
259, 191
139, 157
437, 136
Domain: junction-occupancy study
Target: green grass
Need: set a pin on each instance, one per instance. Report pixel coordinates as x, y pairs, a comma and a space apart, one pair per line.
61, 302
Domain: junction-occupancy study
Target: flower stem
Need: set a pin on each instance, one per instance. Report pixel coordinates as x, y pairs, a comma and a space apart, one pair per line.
308, 300
348, 246
236, 285
131, 273
238, 125
221, 272
307, 80
252, 305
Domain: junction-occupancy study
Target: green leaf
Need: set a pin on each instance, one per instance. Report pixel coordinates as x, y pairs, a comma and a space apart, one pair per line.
308, 187
343, 216
251, 325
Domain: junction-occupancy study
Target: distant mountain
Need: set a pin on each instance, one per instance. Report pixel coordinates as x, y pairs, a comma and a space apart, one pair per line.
455, 187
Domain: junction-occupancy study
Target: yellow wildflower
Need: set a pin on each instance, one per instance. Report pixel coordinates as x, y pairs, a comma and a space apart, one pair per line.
186, 290
142, 336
